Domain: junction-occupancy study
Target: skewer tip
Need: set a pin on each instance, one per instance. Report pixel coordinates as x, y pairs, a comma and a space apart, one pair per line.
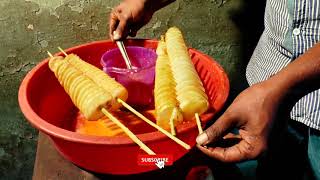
198, 121
171, 121
49, 53
62, 51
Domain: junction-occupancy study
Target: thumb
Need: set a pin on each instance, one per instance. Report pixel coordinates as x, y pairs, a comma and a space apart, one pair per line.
216, 131
121, 31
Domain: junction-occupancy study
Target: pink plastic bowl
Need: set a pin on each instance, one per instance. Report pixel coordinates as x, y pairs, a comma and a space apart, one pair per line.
139, 80
48, 108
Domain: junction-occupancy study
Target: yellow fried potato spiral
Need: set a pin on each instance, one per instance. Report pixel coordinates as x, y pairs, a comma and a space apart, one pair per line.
101, 79
84, 93
189, 88
164, 90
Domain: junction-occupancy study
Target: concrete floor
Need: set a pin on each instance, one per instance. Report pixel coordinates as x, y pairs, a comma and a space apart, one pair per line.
224, 29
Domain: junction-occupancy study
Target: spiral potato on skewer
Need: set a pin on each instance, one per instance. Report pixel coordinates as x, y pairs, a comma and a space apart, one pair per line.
189, 88
164, 91
84, 93
100, 78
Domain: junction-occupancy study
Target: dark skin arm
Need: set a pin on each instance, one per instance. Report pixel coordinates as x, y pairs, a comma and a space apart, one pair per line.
253, 111
130, 15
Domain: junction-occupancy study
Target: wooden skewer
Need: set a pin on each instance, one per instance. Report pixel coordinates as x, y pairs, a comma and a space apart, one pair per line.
133, 137
183, 144
173, 115
128, 132
198, 123
49, 53
62, 51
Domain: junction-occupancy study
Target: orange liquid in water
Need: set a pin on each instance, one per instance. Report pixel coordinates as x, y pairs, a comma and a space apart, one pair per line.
105, 127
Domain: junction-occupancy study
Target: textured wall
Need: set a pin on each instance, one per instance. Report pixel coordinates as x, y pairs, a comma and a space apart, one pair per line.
225, 29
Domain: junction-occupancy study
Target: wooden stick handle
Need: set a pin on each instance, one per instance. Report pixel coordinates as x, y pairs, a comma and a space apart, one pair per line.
171, 121
183, 144
49, 53
62, 51
198, 123
128, 132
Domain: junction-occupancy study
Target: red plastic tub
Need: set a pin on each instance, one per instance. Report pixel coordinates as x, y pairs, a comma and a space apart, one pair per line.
48, 108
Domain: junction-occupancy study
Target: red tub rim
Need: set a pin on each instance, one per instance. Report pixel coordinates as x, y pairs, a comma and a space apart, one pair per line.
58, 132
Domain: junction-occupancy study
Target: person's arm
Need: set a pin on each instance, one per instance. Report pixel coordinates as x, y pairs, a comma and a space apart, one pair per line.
253, 111
128, 17
302, 73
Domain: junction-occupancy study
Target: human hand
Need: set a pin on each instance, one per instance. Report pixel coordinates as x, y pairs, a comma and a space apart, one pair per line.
128, 17
252, 113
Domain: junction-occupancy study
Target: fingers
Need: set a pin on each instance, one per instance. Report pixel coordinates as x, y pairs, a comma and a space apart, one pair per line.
216, 130
133, 33
113, 23
250, 147
134, 29
122, 29
232, 136
118, 23
239, 152
127, 18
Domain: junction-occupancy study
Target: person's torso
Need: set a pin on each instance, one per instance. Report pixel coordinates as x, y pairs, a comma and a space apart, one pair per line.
291, 28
